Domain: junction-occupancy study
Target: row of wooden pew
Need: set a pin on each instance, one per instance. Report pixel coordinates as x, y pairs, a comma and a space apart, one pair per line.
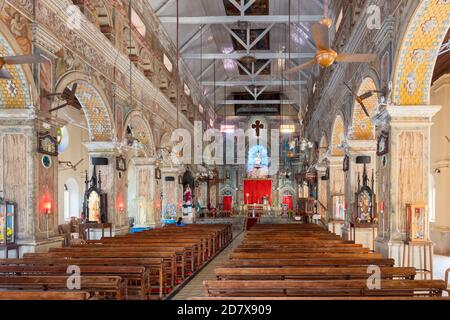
148, 265
304, 261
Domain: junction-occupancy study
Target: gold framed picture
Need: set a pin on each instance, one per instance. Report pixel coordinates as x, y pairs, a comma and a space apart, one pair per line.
416, 222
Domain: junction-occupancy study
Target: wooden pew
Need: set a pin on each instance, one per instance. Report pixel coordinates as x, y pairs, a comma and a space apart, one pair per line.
282, 255
324, 288
311, 273
168, 259
43, 295
154, 266
136, 278
104, 287
180, 257
324, 262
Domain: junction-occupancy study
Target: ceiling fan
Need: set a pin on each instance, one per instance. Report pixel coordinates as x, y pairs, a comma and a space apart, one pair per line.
360, 99
325, 56
69, 95
14, 60
70, 165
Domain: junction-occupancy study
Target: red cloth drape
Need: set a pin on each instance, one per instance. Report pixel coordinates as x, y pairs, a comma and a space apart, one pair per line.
227, 203
257, 190
288, 201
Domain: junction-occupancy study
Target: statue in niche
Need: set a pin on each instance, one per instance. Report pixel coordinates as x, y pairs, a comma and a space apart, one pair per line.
365, 203
95, 201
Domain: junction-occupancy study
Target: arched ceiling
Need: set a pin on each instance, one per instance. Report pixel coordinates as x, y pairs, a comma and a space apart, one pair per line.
209, 29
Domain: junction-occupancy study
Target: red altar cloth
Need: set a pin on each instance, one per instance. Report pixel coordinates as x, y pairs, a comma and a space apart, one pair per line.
227, 203
288, 201
257, 190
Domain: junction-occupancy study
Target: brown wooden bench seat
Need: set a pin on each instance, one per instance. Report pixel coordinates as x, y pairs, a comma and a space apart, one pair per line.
281, 255
189, 252
311, 273
136, 278
304, 250
168, 259
326, 288
43, 295
321, 298
331, 262
155, 266
180, 257
104, 287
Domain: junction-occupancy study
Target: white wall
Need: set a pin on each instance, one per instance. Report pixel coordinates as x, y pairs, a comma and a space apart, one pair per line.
440, 164
74, 153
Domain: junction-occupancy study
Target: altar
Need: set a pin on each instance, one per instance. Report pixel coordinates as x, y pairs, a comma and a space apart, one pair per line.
258, 192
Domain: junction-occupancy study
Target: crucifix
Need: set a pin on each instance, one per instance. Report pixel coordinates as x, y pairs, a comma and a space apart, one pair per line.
257, 126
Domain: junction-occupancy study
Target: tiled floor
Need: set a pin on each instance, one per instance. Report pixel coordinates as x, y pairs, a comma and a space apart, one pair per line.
195, 287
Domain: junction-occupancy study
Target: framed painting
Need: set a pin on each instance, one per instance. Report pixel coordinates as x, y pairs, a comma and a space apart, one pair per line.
417, 221
121, 164
47, 144
383, 144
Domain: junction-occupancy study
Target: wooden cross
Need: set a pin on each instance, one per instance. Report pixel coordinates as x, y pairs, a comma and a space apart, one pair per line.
257, 126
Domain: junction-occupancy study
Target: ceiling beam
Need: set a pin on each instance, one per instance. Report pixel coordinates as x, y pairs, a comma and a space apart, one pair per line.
236, 19
164, 6
257, 55
255, 102
243, 83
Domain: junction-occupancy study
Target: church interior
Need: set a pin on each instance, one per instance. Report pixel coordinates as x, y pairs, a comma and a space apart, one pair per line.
224, 149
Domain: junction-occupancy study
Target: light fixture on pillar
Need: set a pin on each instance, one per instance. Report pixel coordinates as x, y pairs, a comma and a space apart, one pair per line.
47, 212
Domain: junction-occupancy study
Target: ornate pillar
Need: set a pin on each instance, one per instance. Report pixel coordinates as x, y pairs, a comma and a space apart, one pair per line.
145, 186
172, 192
404, 172
30, 179
335, 188
358, 148
112, 183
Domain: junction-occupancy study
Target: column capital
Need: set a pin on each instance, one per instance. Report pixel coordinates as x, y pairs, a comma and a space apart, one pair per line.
408, 112
100, 147
361, 146
335, 161
143, 161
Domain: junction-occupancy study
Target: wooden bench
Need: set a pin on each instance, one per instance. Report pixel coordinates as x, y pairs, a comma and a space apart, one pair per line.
154, 266
282, 255
168, 259
136, 278
102, 287
324, 288
43, 295
311, 273
330, 262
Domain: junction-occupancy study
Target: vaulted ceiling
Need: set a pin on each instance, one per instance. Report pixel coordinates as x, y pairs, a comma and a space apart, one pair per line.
218, 40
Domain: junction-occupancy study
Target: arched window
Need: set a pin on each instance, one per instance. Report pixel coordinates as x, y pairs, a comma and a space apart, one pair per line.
71, 199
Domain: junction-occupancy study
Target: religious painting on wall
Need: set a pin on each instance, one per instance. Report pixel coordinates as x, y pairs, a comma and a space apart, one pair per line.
365, 203
47, 144
121, 164
95, 201
338, 207
416, 229
7, 222
383, 144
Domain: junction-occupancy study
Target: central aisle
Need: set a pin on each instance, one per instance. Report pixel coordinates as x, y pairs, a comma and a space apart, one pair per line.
195, 287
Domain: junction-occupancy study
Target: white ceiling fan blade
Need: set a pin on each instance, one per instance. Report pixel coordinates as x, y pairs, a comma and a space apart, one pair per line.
4, 74
301, 67
320, 34
26, 59
356, 58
